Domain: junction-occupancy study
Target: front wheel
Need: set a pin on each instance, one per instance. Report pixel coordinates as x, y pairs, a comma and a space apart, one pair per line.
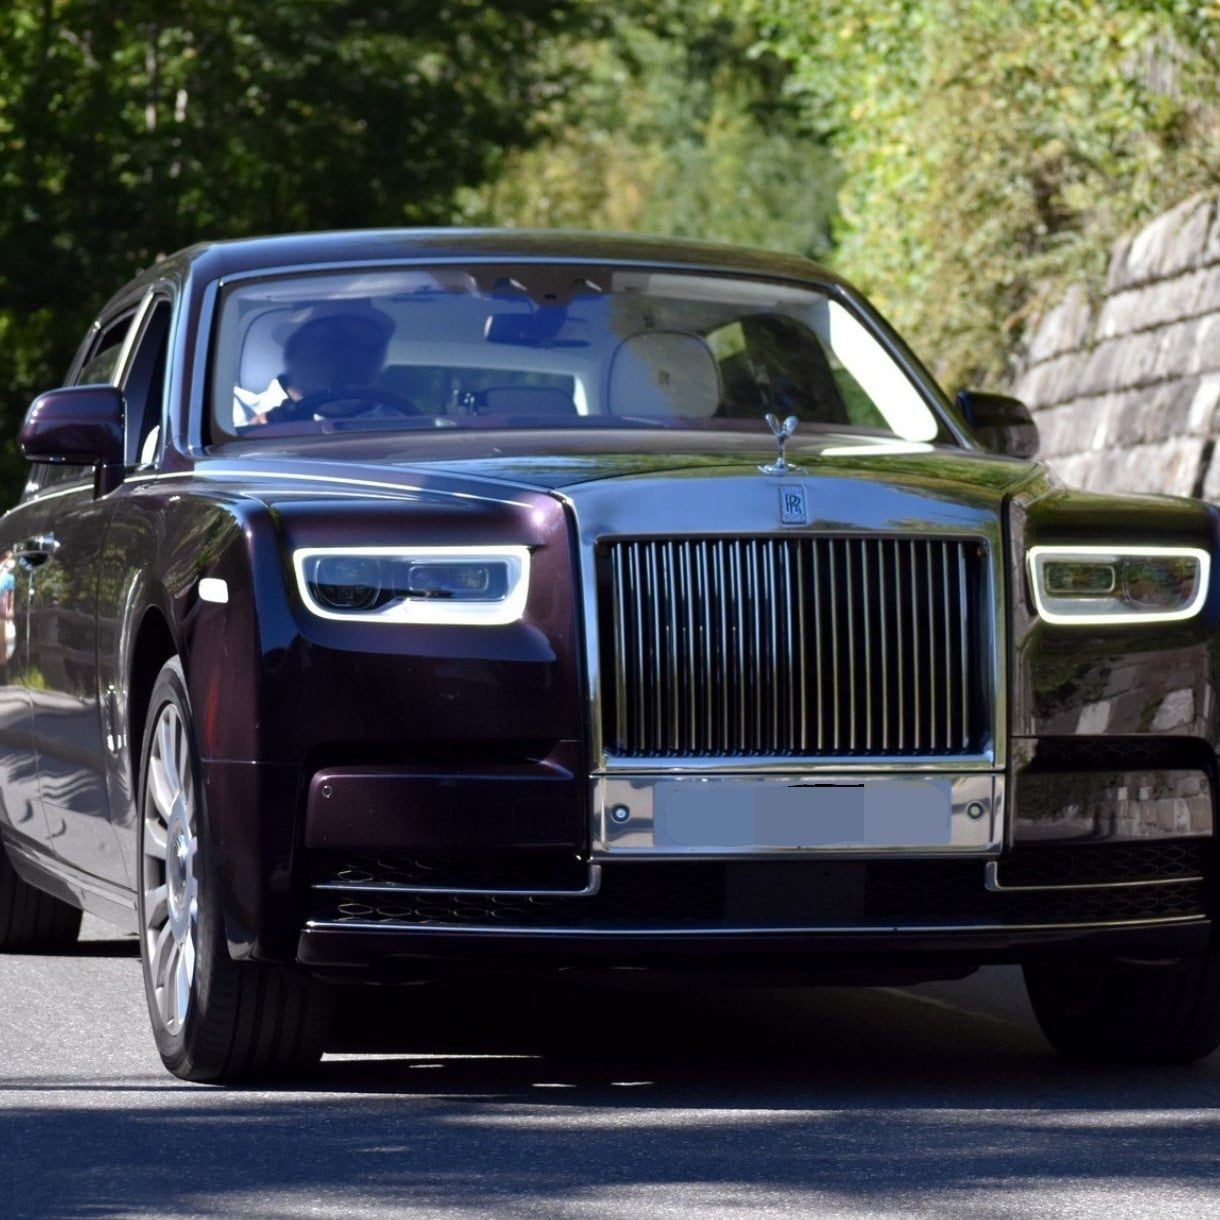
1129, 1013
214, 1019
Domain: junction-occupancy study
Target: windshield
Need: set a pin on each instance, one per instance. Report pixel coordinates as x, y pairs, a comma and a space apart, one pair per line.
548, 346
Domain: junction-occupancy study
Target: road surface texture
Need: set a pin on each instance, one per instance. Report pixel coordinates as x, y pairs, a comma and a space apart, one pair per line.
596, 1098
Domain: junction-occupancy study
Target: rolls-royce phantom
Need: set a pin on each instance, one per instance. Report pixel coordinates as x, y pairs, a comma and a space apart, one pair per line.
388, 603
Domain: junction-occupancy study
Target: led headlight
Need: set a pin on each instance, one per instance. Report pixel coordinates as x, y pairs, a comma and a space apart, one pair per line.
484, 586
1088, 585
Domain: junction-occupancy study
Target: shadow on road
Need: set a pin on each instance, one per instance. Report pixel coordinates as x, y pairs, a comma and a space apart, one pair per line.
120, 946
496, 1101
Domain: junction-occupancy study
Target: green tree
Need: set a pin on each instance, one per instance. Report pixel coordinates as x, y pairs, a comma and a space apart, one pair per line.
678, 127
128, 131
992, 152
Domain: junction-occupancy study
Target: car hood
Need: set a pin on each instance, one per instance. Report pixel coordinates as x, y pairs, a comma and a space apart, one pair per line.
553, 461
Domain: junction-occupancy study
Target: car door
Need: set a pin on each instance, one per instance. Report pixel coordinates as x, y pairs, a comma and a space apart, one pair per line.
21, 809
62, 551
21, 813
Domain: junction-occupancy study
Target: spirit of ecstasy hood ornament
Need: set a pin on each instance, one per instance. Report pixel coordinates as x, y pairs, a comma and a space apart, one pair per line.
783, 432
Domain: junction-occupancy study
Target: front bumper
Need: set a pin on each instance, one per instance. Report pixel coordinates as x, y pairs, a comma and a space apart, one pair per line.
357, 951
1151, 899
1094, 860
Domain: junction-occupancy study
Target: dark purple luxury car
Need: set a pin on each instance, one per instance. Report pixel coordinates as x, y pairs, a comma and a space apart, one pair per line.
394, 603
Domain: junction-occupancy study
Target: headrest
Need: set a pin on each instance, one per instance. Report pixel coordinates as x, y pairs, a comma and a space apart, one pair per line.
262, 353
664, 372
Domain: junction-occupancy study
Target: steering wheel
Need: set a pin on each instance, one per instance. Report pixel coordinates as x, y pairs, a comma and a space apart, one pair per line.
306, 408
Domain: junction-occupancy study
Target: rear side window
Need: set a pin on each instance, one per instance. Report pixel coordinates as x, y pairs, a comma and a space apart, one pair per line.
144, 387
101, 363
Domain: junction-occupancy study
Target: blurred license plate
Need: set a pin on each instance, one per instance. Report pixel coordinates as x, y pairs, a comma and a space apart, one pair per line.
874, 813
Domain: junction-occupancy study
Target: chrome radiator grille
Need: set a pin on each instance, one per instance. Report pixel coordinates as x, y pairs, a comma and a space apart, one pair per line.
792, 646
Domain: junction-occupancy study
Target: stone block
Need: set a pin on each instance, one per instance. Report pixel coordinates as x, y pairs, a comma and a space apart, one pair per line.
1129, 419
1177, 297
1209, 291
1203, 404
1188, 244
1102, 368
1169, 466
1053, 382
1027, 387
1211, 248
1204, 352
1094, 717
1065, 328
1176, 351
1122, 313
1176, 711
1211, 478
1071, 427
1168, 413
1100, 423
1173, 242
1116, 272
1137, 362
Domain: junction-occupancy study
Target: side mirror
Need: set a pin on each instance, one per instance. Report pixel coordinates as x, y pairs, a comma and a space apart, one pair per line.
79, 425
999, 423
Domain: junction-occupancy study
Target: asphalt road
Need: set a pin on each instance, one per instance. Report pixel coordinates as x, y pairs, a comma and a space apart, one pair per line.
596, 1099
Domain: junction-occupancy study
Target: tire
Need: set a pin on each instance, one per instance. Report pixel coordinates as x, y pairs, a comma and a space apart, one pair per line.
214, 1020
1129, 1013
32, 921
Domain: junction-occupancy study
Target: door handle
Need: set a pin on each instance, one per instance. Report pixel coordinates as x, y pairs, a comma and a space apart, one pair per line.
36, 551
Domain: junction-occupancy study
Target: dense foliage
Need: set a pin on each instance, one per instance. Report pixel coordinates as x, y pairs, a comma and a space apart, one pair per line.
992, 151
680, 127
127, 131
961, 159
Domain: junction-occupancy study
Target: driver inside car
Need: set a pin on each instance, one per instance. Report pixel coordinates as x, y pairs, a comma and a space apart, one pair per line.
331, 348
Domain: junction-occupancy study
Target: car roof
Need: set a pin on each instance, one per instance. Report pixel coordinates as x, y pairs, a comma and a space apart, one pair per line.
219, 259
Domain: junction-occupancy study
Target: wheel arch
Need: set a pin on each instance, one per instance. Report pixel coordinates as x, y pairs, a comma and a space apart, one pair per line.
154, 643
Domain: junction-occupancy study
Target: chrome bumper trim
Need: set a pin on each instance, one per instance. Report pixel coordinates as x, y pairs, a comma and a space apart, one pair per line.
592, 887
815, 764
321, 925
992, 882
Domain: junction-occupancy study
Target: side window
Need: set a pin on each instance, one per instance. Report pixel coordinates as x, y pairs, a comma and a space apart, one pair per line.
144, 387
103, 358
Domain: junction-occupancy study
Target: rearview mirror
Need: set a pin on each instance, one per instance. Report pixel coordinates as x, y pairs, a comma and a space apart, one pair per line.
81, 425
1000, 423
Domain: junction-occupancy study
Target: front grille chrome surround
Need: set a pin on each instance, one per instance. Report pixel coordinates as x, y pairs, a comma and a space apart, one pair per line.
786, 646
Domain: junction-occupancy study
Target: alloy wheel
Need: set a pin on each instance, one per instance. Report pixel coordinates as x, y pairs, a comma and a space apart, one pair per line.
170, 892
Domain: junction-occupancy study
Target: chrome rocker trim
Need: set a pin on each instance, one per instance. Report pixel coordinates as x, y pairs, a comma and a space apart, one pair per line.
315, 925
992, 882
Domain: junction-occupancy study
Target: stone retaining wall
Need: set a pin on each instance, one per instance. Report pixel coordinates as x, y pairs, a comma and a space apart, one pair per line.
1126, 391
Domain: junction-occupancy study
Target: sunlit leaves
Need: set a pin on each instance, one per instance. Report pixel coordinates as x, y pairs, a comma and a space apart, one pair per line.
992, 151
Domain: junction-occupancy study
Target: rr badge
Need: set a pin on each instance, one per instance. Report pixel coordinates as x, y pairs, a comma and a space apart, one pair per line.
792, 510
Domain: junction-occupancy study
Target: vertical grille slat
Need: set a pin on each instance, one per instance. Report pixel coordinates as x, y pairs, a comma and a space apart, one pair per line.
916, 735
867, 610
963, 637
794, 646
